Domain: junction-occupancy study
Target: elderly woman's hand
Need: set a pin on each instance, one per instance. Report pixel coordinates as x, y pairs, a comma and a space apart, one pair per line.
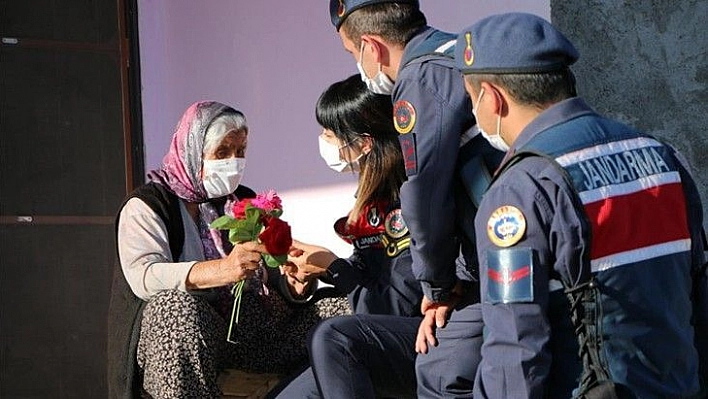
243, 260
241, 263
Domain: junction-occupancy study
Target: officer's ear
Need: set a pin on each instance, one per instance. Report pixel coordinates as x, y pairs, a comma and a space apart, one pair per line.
376, 49
498, 97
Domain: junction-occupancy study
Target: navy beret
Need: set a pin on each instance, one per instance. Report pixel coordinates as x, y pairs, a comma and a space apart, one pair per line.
513, 43
339, 10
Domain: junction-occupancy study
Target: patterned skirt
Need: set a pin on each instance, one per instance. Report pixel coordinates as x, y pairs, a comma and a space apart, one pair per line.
183, 347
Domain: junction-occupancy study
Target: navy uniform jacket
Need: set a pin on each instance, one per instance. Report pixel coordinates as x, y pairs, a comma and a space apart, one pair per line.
535, 226
432, 112
377, 278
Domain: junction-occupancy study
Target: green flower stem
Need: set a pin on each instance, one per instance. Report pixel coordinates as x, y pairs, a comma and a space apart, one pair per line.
237, 291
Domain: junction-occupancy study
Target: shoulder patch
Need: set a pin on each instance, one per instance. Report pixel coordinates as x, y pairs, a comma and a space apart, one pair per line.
395, 225
373, 217
509, 275
403, 116
410, 156
506, 226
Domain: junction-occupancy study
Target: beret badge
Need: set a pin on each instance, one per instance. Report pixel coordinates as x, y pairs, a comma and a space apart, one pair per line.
342, 9
469, 53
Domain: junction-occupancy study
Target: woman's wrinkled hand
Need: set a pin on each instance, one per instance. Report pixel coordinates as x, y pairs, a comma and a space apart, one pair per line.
244, 260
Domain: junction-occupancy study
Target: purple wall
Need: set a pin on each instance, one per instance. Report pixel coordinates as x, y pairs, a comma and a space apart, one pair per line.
271, 59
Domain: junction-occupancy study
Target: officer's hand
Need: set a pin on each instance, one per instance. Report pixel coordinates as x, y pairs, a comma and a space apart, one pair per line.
435, 315
426, 331
297, 284
306, 261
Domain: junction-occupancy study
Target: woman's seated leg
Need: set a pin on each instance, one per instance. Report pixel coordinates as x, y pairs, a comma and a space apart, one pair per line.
181, 347
365, 356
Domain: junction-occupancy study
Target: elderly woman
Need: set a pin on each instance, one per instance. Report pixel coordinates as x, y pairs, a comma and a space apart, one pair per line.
182, 269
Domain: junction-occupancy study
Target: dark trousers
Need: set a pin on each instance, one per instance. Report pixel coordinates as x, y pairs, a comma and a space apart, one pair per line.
448, 369
301, 385
367, 356
359, 356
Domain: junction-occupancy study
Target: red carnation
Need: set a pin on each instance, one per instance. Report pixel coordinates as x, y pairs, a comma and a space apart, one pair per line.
239, 209
276, 237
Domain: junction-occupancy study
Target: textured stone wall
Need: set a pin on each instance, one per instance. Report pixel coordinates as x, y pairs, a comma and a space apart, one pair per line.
645, 62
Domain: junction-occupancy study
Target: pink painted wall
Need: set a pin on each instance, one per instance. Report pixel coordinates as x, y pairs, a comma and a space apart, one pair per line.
271, 59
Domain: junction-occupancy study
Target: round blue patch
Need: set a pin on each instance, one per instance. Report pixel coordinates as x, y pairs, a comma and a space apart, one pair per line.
506, 226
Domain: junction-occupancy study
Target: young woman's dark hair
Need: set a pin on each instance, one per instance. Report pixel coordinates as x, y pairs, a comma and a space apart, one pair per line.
351, 111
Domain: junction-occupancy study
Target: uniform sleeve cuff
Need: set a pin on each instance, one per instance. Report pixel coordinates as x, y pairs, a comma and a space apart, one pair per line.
302, 299
343, 275
434, 293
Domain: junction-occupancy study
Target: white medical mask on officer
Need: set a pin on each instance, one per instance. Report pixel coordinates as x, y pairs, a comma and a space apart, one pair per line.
379, 84
331, 154
495, 140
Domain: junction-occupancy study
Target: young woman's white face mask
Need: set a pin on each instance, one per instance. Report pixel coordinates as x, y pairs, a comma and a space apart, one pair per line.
222, 176
331, 155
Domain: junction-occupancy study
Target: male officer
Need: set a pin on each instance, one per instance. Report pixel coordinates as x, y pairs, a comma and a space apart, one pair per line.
398, 54
581, 200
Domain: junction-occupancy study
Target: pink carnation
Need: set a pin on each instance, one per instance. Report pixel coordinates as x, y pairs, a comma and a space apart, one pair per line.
268, 201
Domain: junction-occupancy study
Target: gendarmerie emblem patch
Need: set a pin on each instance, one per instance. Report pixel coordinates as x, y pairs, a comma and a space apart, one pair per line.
395, 225
506, 226
403, 116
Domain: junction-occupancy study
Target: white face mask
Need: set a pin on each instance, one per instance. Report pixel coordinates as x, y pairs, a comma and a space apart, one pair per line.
222, 176
380, 84
330, 153
495, 140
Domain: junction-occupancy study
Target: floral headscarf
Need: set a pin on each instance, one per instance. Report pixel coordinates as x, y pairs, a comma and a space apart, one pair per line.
181, 169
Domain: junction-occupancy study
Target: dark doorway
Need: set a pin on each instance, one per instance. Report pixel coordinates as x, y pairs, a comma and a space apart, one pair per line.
70, 148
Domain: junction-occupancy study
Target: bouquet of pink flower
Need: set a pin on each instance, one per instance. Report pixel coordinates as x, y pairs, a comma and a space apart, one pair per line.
257, 219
